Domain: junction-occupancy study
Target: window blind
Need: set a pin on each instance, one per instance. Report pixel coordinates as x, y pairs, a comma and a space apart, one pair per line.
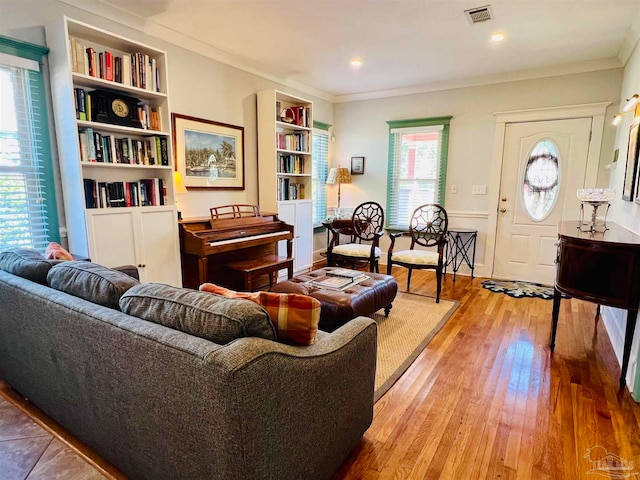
417, 167
319, 179
27, 197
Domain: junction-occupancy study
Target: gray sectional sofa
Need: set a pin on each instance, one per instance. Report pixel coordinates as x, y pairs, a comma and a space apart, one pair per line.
158, 403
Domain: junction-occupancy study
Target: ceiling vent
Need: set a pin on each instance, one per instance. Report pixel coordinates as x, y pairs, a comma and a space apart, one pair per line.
478, 14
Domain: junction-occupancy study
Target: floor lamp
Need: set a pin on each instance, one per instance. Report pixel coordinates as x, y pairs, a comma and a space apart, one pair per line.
339, 175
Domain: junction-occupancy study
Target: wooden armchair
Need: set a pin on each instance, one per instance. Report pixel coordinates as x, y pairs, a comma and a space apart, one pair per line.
427, 228
366, 230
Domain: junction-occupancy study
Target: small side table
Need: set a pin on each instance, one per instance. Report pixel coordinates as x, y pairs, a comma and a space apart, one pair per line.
343, 225
459, 242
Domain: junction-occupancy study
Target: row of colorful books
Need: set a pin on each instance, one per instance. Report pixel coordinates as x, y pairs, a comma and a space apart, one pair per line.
291, 164
98, 147
298, 142
288, 190
150, 117
130, 69
339, 279
143, 193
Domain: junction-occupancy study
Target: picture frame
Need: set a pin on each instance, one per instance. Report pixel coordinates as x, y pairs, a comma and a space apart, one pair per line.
631, 167
357, 165
208, 154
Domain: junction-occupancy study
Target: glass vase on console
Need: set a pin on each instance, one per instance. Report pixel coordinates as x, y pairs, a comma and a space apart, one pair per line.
595, 197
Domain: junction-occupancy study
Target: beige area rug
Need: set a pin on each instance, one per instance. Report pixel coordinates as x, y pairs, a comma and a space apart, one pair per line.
413, 322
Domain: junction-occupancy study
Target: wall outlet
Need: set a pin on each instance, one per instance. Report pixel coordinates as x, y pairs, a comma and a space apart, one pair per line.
479, 190
454, 188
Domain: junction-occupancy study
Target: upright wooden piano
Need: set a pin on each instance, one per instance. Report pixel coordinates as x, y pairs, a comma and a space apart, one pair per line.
600, 267
237, 247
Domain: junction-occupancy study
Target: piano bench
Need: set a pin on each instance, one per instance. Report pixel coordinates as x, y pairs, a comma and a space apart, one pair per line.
253, 269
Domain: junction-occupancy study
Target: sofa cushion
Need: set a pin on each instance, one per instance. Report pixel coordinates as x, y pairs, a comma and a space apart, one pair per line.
295, 317
55, 251
26, 263
93, 282
213, 317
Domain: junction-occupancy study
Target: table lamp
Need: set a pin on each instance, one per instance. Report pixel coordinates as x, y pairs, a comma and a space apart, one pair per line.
338, 175
179, 189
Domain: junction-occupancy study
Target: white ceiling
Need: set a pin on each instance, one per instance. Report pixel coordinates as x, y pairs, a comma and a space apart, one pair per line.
406, 45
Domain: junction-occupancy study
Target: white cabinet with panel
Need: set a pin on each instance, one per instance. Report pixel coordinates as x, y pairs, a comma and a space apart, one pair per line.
299, 214
146, 239
285, 166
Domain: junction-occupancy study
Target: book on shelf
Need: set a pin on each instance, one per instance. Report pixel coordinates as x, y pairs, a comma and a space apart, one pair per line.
334, 282
80, 97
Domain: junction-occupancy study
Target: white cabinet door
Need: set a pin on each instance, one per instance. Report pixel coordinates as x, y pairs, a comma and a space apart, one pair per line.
159, 244
147, 239
299, 214
112, 238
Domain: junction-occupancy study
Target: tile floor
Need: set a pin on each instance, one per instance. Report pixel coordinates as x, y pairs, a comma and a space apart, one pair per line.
30, 452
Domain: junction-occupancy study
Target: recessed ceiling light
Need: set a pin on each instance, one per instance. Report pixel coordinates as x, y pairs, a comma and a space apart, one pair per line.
497, 37
356, 62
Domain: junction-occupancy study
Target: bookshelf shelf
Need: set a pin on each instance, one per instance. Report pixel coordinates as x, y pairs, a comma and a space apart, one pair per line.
82, 80
289, 126
117, 166
107, 127
285, 166
124, 192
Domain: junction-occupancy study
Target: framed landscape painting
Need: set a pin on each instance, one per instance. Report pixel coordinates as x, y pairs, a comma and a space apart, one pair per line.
208, 154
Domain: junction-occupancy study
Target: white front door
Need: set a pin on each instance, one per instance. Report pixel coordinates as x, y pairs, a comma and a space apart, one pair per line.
531, 201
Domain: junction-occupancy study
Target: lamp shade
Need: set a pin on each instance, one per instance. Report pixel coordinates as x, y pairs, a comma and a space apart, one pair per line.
339, 175
178, 184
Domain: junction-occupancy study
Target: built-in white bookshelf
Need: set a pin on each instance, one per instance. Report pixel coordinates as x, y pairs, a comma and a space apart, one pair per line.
285, 166
111, 108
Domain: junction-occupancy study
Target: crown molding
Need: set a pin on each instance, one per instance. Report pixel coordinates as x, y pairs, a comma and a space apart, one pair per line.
515, 76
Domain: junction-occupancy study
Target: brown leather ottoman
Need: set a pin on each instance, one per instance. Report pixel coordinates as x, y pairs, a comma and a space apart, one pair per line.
340, 306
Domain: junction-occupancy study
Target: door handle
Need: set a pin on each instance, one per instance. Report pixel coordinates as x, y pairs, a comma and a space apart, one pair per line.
503, 210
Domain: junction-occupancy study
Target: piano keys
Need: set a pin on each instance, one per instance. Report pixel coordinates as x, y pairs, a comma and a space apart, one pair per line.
237, 247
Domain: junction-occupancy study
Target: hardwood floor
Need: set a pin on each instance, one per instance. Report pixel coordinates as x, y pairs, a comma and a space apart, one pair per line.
485, 400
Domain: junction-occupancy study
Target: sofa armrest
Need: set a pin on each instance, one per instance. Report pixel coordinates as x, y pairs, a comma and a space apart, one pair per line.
290, 401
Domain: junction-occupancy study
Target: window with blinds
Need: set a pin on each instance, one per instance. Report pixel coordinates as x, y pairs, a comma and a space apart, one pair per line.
320, 170
27, 197
417, 167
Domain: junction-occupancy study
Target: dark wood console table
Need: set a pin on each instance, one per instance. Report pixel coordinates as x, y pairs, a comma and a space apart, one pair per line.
600, 267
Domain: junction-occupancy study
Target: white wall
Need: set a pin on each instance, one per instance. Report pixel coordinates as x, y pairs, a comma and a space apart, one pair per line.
361, 130
626, 214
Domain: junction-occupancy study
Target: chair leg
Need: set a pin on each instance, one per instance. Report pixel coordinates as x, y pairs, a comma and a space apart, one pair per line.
409, 279
389, 268
438, 284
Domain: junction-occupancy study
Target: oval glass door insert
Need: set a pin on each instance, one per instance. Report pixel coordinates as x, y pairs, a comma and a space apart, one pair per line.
541, 181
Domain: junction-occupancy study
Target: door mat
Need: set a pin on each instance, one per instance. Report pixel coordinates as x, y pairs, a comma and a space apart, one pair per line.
518, 289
